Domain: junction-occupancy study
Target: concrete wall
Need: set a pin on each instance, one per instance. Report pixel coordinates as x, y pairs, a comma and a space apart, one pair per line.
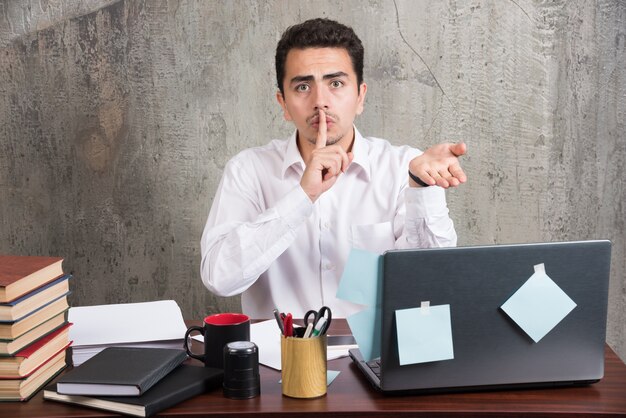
117, 117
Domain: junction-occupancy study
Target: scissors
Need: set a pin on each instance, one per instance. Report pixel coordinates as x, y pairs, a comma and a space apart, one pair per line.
313, 317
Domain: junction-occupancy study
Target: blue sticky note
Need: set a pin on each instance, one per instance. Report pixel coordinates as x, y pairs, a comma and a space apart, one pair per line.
360, 279
366, 329
360, 283
424, 334
539, 305
330, 376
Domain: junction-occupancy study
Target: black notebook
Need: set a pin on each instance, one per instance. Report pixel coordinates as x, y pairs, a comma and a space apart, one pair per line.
120, 371
183, 383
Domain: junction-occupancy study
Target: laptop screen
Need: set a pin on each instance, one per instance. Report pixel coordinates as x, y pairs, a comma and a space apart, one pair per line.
490, 346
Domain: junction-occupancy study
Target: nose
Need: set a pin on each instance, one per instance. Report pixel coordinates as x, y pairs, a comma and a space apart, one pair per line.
320, 97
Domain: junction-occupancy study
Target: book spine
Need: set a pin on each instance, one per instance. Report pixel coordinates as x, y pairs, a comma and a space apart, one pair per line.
161, 372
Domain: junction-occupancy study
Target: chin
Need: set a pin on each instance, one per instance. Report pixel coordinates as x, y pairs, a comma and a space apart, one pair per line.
329, 141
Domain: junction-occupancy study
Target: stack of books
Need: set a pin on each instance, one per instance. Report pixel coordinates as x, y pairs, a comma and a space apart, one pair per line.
134, 381
34, 332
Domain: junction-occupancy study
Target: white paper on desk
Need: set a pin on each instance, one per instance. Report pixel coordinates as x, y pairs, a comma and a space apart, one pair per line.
126, 323
266, 336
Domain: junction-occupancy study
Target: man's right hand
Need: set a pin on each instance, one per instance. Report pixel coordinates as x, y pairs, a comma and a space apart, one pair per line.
325, 164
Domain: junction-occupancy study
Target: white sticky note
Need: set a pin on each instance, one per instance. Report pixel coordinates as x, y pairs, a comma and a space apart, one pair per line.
424, 334
539, 305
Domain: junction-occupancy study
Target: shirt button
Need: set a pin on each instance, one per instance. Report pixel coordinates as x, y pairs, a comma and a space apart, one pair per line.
327, 225
329, 266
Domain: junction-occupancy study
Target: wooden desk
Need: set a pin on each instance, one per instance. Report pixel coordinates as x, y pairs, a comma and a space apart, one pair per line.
350, 395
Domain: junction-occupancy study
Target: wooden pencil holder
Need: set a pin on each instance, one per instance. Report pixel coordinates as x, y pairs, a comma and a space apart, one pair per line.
303, 364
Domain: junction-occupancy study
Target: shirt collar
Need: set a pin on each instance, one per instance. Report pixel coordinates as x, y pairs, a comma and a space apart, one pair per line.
292, 156
360, 150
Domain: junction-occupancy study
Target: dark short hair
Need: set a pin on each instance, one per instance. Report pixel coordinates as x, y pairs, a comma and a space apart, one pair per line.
319, 33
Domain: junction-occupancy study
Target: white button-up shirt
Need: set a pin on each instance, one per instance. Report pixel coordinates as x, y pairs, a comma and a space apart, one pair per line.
264, 238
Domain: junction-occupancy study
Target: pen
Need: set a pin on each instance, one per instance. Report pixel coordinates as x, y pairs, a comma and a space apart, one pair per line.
280, 321
309, 328
288, 325
319, 327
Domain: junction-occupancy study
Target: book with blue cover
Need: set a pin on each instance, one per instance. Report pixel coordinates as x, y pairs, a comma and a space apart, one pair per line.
35, 300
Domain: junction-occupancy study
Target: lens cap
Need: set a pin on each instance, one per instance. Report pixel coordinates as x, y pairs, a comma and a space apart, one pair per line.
241, 370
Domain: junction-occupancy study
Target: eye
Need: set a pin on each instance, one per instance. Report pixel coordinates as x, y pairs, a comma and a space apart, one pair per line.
302, 87
336, 83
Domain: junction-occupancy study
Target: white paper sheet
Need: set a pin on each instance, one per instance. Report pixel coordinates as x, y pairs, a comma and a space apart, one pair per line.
126, 323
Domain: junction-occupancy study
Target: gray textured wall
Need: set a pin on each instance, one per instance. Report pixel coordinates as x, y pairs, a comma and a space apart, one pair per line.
117, 117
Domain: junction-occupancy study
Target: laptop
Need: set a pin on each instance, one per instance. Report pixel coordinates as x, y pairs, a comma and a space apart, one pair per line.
490, 350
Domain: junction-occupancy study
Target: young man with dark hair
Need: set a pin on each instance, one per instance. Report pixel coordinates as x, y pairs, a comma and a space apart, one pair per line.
286, 215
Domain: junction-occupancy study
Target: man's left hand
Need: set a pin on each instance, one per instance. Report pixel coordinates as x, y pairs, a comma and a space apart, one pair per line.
439, 165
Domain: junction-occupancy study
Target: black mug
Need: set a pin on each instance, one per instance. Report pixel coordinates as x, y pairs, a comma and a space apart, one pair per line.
219, 330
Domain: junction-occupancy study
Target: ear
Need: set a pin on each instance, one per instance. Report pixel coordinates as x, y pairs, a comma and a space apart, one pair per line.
281, 101
361, 99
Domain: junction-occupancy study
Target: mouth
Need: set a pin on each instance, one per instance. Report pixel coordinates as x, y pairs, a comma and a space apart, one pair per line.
315, 122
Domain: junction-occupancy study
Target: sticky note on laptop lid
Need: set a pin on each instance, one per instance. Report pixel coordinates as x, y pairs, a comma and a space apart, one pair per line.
424, 334
538, 305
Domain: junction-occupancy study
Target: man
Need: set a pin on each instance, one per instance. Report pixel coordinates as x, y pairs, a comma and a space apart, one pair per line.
286, 215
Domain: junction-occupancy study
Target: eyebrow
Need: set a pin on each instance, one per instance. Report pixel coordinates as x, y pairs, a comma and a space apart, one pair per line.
301, 78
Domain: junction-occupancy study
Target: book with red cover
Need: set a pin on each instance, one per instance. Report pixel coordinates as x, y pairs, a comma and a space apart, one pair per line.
9, 347
23, 389
29, 359
21, 274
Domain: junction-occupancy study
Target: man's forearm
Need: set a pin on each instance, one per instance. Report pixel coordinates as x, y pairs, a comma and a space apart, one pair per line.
234, 253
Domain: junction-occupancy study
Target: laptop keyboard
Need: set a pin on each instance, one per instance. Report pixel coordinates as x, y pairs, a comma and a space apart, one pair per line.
374, 365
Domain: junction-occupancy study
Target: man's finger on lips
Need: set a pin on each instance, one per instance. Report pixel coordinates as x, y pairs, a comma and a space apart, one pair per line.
321, 130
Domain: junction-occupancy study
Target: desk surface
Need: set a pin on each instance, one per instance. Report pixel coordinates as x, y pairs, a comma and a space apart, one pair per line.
350, 395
